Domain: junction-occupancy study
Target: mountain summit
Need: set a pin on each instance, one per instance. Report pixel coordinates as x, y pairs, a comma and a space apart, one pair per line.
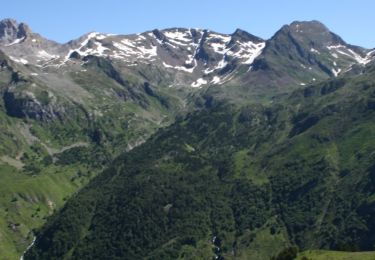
302, 51
313, 32
11, 32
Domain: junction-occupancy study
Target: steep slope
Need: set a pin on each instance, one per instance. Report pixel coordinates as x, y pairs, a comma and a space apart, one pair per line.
299, 54
59, 129
23, 45
237, 182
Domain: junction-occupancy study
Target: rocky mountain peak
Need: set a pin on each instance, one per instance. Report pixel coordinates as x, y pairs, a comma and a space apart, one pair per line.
11, 30
23, 30
8, 22
311, 33
309, 26
240, 34
159, 35
199, 57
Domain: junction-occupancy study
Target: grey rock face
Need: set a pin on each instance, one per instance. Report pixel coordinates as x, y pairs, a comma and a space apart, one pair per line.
12, 32
297, 55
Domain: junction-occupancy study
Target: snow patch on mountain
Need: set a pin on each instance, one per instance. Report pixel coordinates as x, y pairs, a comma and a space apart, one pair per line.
45, 55
219, 66
128, 49
149, 52
89, 37
177, 42
334, 55
101, 36
177, 35
248, 51
20, 60
181, 68
15, 42
190, 59
343, 50
199, 82
216, 80
223, 38
370, 56
335, 72
257, 50
140, 38
219, 47
99, 51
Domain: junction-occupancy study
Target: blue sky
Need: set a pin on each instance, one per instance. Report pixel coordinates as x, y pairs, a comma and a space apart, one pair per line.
68, 19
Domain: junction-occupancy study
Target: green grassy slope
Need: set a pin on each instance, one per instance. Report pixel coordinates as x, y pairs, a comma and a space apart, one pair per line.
44, 163
335, 255
27, 200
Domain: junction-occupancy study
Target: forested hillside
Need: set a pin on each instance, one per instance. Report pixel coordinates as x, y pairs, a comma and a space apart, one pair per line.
235, 181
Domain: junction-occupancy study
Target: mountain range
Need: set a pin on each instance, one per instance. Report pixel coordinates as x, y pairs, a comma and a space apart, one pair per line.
185, 143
